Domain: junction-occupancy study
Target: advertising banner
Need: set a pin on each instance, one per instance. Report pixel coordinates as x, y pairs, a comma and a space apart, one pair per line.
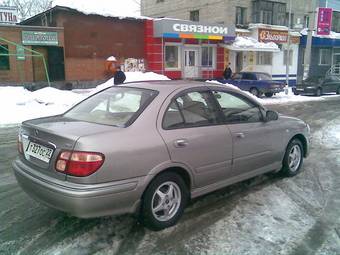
324, 21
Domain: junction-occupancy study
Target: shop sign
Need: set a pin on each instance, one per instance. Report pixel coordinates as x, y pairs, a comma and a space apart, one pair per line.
189, 29
295, 40
40, 38
8, 15
324, 21
276, 36
20, 53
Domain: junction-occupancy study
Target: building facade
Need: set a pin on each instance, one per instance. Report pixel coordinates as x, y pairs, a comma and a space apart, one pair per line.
238, 12
90, 39
257, 21
182, 49
325, 51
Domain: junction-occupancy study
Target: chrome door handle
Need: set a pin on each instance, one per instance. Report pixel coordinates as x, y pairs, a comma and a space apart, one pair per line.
180, 143
240, 135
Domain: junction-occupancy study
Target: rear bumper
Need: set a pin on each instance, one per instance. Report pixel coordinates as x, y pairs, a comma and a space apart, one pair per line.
83, 201
305, 91
272, 90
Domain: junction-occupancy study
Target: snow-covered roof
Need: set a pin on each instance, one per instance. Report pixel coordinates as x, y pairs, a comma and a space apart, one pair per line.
260, 25
332, 35
87, 11
106, 8
250, 44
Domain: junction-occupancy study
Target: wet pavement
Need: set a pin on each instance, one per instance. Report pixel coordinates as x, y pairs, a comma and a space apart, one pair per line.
265, 215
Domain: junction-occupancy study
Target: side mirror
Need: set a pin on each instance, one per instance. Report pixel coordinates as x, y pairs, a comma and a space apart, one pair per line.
271, 115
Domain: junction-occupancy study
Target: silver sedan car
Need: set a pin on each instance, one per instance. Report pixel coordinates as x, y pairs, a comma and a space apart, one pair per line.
149, 147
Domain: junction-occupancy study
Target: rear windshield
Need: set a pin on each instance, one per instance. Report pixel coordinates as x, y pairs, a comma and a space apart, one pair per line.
116, 106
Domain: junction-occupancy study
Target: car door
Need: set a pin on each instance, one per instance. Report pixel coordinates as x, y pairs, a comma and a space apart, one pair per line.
194, 136
254, 140
247, 81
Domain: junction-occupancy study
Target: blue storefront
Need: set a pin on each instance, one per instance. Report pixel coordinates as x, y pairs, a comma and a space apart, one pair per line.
325, 53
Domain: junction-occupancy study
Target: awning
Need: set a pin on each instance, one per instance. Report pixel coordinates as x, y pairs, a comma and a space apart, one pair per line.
250, 44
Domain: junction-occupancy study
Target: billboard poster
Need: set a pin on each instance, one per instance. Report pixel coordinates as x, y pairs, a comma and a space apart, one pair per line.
324, 21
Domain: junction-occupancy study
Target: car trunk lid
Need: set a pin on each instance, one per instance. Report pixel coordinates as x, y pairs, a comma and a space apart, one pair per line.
44, 138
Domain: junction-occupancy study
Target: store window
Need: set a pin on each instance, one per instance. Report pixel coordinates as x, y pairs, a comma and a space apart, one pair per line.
325, 57
195, 15
269, 12
172, 57
4, 60
336, 22
264, 58
241, 15
208, 57
290, 57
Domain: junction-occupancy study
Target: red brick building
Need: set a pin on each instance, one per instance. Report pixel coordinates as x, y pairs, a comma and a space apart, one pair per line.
91, 39
18, 65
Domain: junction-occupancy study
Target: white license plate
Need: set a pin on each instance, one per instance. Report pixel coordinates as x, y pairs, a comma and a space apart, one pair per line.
37, 151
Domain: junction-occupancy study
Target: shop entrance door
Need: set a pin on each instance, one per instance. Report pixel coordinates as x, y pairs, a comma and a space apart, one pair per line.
190, 63
56, 63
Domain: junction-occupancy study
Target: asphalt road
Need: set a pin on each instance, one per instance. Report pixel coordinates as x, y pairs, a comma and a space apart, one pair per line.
265, 215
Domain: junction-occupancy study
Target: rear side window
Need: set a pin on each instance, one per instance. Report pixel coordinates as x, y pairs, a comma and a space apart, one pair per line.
237, 109
117, 106
249, 76
190, 110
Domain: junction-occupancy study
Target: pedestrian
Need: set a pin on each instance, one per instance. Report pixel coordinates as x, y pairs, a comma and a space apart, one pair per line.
227, 74
119, 76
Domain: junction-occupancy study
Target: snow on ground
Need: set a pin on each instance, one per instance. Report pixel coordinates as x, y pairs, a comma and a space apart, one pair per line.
280, 98
18, 104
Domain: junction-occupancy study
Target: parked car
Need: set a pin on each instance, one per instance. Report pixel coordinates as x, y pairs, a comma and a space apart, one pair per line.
150, 147
319, 85
256, 83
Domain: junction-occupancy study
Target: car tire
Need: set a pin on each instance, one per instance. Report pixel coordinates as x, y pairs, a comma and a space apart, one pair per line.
318, 92
269, 94
160, 206
293, 158
255, 92
338, 91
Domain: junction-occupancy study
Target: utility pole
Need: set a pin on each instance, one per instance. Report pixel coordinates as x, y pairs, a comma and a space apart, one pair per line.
311, 29
288, 47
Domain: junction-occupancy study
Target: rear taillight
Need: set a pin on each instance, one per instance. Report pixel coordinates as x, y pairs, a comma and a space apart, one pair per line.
20, 146
79, 163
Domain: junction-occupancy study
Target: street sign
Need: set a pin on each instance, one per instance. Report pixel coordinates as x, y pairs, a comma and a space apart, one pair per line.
20, 53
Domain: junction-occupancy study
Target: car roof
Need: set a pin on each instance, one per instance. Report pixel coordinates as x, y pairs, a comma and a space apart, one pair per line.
170, 85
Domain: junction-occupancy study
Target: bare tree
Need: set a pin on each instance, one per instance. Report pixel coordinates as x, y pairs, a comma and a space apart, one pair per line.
29, 8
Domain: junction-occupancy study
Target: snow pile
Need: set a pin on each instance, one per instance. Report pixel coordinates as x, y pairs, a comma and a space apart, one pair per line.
134, 76
332, 35
18, 104
106, 8
248, 42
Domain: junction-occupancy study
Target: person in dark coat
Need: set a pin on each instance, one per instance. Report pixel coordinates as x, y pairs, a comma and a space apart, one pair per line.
119, 76
227, 74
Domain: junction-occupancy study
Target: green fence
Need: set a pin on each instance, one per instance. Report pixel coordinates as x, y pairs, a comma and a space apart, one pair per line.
21, 53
